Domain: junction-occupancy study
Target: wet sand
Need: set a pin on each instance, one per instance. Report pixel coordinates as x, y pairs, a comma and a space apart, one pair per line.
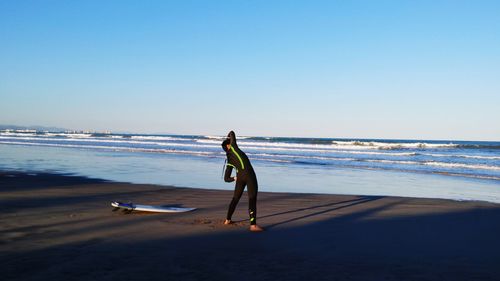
62, 227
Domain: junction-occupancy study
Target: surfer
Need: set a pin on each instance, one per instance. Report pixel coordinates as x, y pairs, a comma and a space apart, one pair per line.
245, 176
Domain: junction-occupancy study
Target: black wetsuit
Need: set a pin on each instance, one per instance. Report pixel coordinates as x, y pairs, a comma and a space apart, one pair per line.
245, 177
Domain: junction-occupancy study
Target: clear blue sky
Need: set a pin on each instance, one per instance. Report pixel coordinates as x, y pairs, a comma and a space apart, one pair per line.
374, 69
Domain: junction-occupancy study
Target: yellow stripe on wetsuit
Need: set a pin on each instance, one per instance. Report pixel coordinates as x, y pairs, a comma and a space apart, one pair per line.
237, 155
232, 166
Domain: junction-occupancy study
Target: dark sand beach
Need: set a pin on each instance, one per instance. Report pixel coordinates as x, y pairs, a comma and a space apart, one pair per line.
61, 227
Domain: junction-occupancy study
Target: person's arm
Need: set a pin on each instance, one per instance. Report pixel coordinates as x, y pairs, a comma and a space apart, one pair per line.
227, 174
232, 138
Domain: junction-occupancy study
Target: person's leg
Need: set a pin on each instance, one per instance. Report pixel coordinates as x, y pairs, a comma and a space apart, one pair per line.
238, 191
253, 188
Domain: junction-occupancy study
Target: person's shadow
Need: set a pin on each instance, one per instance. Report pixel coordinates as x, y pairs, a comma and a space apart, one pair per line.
335, 206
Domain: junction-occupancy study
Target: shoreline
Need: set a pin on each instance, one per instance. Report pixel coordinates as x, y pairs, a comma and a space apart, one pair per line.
58, 226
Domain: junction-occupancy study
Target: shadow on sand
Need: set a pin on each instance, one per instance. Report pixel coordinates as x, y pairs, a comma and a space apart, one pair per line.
356, 245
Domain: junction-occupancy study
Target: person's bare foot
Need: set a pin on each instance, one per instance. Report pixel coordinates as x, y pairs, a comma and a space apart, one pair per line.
226, 222
256, 228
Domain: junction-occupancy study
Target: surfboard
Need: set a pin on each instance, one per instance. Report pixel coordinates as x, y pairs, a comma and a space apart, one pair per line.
147, 208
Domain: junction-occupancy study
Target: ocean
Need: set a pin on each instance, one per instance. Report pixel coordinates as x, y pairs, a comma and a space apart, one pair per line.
459, 170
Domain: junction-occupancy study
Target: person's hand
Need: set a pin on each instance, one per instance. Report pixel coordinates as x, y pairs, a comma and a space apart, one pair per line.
235, 178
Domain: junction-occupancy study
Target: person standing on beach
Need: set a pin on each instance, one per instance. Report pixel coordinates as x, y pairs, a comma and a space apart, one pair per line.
245, 176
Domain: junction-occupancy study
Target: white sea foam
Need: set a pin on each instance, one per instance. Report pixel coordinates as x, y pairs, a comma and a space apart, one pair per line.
328, 151
377, 153
221, 138
76, 135
274, 156
387, 145
114, 148
463, 156
99, 140
287, 146
215, 137
392, 161
16, 134
154, 138
342, 145
437, 164
463, 166
271, 144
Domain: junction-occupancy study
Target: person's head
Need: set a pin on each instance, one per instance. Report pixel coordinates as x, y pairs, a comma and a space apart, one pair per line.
226, 145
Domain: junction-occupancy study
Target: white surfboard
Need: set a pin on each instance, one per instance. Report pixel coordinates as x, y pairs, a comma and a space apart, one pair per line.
148, 208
